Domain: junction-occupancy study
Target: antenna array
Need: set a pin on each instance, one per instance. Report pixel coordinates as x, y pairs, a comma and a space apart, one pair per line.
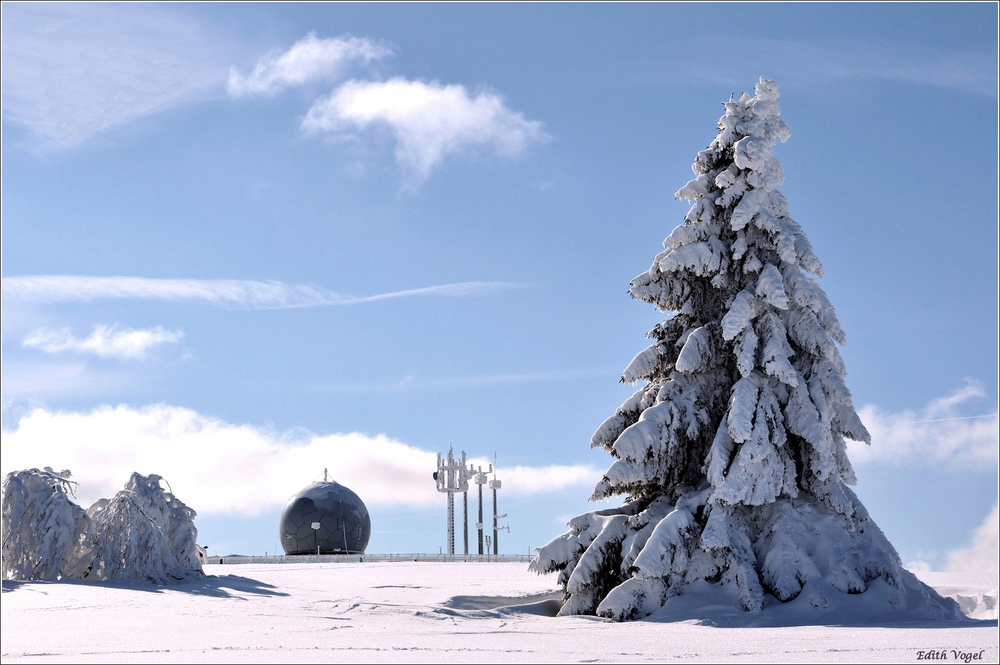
453, 475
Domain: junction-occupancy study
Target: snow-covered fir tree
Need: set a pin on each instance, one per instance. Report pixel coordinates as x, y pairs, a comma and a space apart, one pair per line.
732, 456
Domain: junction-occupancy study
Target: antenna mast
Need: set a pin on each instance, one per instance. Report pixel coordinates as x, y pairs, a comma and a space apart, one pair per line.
495, 485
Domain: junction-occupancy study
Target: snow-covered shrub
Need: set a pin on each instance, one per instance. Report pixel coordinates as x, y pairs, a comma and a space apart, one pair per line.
172, 515
146, 533
732, 456
45, 535
142, 533
130, 545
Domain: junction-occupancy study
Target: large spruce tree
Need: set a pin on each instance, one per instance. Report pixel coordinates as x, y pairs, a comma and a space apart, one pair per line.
732, 456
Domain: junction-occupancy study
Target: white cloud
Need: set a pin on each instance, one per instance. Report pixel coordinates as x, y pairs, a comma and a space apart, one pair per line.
983, 552
249, 294
309, 59
219, 467
106, 341
71, 70
428, 121
938, 434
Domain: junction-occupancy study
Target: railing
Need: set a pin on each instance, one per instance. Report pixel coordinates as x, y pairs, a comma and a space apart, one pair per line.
371, 558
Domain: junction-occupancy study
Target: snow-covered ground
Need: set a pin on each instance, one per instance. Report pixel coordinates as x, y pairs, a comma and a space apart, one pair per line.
429, 612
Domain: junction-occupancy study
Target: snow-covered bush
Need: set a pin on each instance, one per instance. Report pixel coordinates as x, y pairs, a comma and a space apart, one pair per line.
143, 532
45, 535
146, 533
732, 456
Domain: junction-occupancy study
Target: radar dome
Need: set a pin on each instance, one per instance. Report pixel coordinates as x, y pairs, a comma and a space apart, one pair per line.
344, 526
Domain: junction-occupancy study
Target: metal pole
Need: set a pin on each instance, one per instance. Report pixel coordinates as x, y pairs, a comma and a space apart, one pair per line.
451, 522
480, 519
496, 545
465, 520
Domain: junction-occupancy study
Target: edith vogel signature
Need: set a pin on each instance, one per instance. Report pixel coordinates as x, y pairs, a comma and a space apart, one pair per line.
943, 654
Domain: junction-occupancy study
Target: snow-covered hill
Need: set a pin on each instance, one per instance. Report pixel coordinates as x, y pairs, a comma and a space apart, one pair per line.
431, 612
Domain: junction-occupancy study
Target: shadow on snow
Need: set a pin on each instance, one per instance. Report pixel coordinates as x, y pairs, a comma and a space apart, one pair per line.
218, 586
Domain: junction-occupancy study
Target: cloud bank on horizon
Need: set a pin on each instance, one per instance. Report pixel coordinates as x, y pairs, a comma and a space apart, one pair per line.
223, 468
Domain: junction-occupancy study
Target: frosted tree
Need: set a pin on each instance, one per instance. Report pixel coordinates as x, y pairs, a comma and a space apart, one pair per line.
732, 456
144, 532
45, 535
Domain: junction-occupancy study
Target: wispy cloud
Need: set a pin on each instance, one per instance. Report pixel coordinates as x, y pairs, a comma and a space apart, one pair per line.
939, 434
249, 294
821, 62
71, 70
429, 122
505, 379
219, 467
920, 64
309, 59
412, 382
983, 551
106, 341
52, 379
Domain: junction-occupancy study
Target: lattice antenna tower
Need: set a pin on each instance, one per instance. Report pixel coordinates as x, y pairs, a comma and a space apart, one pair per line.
452, 476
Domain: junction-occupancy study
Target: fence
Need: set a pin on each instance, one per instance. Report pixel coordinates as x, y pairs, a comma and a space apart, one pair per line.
373, 558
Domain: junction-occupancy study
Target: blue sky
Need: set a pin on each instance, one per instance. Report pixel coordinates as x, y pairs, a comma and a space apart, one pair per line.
358, 233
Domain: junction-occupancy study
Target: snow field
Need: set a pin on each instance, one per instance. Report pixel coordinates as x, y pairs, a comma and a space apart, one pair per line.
424, 612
